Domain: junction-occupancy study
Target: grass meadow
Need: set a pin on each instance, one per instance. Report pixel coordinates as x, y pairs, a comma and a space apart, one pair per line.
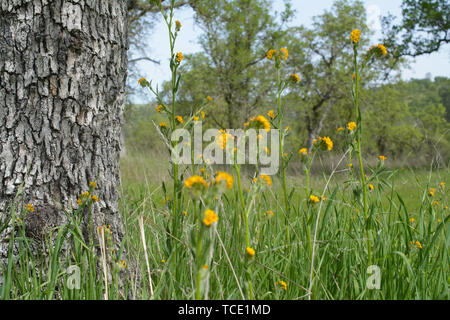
324, 227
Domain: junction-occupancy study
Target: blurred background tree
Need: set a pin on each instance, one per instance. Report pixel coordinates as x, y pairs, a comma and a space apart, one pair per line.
406, 119
424, 28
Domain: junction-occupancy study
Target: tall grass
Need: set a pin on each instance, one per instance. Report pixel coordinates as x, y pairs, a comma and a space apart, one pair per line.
217, 235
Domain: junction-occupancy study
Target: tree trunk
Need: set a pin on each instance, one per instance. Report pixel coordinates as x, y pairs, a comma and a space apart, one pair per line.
63, 69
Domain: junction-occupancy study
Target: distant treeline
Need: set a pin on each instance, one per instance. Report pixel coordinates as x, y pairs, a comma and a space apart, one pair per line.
408, 120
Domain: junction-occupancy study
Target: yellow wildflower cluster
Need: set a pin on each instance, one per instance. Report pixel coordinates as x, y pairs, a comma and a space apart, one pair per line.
294, 78
269, 213
325, 142
267, 179
222, 138
179, 57
224, 177
259, 122
303, 152
282, 54
432, 192
282, 284
122, 264
105, 228
355, 35
179, 119
270, 53
85, 196
416, 243
351, 126
271, 114
314, 199
195, 181
379, 50
210, 217
143, 82
177, 25
29, 207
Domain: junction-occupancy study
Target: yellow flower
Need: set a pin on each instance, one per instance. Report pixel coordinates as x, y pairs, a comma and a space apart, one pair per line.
339, 129
79, 202
179, 57
29, 207
351, 126
435, 203
283, 54
327, 143
92, 184
159, 108
383, 49
355, 35
412, 220
282, 284
442, 185
379, 50
95, 198
382, 158
270, 53
371, 187
177, 25
143, 82
269, 213
287, 128
209, 98
432, 191
271, 114
227, 178
303, 152
210, 217
250, 251
203, 114
259, 122
179, 119
185, 213
416, 243
163, 124
205, 267
294, 78
195, 181
195, 119
223, 138
267, 179
313, 199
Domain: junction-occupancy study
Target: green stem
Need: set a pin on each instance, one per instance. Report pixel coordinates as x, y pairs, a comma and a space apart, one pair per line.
361, 167
199, 267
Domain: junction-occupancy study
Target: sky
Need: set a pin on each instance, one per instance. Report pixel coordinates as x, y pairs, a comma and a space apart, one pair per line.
436, 64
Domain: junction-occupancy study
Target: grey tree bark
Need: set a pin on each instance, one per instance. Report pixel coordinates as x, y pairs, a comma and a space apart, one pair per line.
63, 67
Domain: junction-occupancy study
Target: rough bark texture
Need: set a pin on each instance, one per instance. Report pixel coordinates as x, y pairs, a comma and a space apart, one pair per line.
63, 69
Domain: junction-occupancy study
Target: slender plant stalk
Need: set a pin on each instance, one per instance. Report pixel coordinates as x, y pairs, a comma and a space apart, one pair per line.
361, 166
